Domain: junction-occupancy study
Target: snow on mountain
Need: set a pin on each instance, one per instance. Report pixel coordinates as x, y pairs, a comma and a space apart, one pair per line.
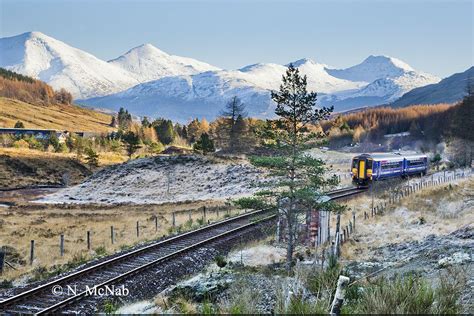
372, 68
146, 63
62, 66
151, 82
204, 94
449, 90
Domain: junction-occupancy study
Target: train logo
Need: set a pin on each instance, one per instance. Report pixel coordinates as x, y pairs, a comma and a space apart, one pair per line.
380, 166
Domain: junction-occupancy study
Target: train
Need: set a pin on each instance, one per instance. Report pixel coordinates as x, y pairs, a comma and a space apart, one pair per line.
380, 166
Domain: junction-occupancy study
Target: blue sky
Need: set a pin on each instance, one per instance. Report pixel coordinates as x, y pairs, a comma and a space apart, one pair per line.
433, 36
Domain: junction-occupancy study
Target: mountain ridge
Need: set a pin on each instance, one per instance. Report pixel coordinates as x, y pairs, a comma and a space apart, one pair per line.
152, 80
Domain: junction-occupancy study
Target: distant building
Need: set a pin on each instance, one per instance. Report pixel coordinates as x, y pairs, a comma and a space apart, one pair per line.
403, 134
36, 133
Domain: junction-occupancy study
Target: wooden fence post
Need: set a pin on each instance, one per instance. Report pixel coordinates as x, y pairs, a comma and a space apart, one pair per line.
112, 234
173, 219
32, 252
61, 245
138, 229
88, 240
2, 259
336, 305
354, 220
204, 213
156, 224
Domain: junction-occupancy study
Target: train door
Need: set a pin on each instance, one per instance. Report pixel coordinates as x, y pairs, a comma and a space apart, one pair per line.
361, 174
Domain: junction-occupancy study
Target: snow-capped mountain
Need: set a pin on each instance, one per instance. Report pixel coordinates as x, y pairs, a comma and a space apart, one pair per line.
84, 75
204, 94
146, 63
449, 90
62, 66
151, 82
373, 68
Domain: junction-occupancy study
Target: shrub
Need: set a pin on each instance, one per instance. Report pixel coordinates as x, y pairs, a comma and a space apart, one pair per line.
220, 261
100, 251
250, 203
21, 143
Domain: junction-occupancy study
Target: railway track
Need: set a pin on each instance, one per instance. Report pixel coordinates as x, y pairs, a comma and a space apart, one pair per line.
56, 295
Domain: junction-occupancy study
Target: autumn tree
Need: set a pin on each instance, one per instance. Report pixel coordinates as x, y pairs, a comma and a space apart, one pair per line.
234, 123
63, 96
299, 178
195, 128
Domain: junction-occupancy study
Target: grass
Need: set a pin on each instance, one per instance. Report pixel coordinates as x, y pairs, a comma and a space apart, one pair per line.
407, 294
60, 117
435, 210
45, 224
30, 167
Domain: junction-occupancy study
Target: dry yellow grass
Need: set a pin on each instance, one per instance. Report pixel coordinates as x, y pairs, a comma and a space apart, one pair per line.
45, 224
21, 167
60, 117
436, 210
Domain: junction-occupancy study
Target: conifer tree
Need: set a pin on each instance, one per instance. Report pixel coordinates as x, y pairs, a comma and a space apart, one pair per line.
204, 144
234, 114
300, 178
132, 143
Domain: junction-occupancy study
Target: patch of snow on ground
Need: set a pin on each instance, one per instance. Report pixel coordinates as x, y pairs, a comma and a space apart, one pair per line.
139, 308
164, 179
258, 255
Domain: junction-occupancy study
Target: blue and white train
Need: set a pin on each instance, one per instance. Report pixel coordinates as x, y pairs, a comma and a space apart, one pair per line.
379, 166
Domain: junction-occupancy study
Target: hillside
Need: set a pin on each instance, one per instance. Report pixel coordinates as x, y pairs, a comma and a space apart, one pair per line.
449, 90
55, 116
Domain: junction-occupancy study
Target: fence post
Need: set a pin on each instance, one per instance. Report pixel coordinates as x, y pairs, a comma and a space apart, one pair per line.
112, 234
2, 259
336, 305
88, 240
61, 245
173, 219
204, 213
138, 229
354, 220
32, 252
156, 224
217, 212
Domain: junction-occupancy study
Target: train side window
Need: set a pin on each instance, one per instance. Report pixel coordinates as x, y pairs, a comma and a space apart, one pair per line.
354, 163
369, 163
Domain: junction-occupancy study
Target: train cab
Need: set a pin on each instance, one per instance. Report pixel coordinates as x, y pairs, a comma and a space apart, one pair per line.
362, 169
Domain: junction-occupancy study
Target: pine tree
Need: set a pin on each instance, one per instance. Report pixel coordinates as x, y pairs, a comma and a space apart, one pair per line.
300, 177
19, 124
146, 122
164, 130
124, 119
132, 143
92, 158
204, 144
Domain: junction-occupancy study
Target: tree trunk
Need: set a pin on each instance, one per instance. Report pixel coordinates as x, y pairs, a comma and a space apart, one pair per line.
290, 241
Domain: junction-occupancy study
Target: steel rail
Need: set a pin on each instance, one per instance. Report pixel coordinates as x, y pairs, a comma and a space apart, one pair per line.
336, 194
